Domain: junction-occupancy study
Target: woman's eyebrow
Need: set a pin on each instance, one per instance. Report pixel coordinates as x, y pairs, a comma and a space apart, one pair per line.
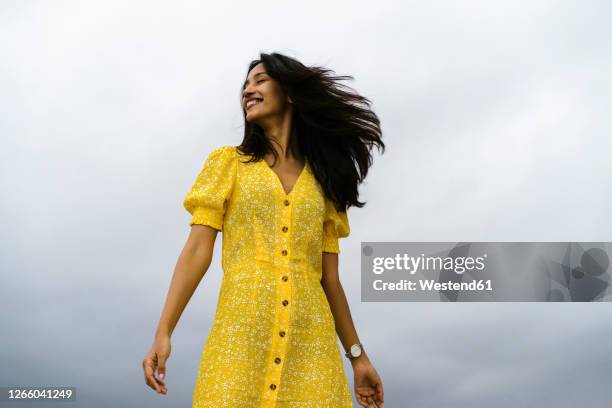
247, 81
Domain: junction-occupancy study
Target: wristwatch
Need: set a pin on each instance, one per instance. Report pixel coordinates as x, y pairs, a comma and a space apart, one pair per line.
354, 351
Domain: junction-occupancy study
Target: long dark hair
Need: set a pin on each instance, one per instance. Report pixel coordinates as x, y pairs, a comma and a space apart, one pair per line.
335, 127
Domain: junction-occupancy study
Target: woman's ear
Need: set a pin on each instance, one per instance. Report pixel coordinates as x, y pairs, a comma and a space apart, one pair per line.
289, 99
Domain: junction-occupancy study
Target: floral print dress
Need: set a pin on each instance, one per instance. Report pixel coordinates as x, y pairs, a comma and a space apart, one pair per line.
273, 341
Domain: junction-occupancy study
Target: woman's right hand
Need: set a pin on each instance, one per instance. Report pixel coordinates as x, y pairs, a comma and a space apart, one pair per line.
155, 363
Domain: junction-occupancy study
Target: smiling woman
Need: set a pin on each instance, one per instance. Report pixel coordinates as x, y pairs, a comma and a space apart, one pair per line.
258, 77
267, 100
280, 199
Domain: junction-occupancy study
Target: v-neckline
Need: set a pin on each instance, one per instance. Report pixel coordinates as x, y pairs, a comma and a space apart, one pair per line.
279, 183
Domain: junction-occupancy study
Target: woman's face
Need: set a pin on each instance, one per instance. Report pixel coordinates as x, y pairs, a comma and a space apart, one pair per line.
262, 96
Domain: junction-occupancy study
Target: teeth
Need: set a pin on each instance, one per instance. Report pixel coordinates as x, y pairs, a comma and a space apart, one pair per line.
252, 102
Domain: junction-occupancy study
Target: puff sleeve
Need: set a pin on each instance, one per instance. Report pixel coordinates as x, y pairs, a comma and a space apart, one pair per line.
335, 226
207, 200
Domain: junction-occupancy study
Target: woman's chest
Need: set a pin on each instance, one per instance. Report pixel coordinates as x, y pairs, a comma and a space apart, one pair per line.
259, 196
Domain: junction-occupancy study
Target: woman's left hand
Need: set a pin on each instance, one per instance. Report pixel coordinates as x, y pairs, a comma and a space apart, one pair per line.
368, 385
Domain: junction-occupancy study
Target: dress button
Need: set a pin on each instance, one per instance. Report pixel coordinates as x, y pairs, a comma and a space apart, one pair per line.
285, 302
285, 278
277, 360
286, 202
285, 229
273, 386
281, 333
284, 252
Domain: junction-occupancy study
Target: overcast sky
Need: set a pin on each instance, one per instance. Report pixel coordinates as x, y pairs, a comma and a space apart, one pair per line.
497, 125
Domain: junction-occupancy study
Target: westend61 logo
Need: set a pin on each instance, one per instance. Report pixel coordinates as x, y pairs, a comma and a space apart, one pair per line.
412, 264
486, 271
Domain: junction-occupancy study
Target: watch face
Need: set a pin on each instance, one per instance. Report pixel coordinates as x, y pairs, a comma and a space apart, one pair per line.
355, 350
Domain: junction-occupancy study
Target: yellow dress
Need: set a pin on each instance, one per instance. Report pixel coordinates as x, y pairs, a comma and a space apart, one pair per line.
273, 341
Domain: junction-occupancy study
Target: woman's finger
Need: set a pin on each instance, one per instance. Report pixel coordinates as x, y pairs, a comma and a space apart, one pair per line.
151, 382
162, 385
149, 369
161, 369
361, 401
379, 392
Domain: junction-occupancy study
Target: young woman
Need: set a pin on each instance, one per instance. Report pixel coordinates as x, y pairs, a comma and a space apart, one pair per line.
280, 199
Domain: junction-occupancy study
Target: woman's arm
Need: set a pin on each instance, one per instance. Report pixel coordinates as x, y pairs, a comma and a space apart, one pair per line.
339, 305
192, 264
368, 386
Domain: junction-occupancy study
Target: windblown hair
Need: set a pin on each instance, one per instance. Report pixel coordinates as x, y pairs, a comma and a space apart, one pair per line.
335, 127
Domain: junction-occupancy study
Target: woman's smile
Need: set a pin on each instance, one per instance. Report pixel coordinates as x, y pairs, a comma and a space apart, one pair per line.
251, 102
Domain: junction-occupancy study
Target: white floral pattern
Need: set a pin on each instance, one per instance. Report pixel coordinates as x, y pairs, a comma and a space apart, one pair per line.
273, 341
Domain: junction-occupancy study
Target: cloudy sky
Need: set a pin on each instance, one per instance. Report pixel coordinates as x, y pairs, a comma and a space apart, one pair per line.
496, 120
